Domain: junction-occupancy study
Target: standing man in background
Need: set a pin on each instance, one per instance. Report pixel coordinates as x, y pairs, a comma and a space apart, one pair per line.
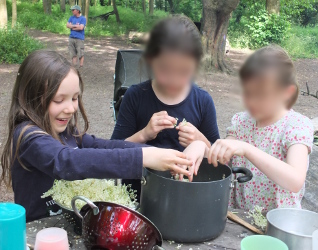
76, 23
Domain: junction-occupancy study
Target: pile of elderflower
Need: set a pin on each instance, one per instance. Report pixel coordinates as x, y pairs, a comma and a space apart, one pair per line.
258, 218
93, 189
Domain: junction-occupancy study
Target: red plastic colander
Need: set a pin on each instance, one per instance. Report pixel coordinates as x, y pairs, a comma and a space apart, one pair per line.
107, 225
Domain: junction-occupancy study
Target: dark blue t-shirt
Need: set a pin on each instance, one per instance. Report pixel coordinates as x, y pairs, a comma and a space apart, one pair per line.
79, 34
47, 159
140, 103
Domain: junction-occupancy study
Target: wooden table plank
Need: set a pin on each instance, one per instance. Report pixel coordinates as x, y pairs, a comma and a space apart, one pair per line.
230, 239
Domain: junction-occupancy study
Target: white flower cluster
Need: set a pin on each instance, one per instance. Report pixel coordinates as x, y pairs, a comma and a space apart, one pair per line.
93, 189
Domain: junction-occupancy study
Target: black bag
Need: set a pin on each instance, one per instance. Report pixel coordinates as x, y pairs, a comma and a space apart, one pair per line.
129, 70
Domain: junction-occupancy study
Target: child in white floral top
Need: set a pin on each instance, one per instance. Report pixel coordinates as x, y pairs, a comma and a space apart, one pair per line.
270, 139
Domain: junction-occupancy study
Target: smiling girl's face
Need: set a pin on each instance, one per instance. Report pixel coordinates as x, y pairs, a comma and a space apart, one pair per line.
65, 102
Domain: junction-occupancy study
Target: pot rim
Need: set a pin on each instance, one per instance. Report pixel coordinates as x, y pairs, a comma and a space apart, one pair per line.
284, 231
188, 182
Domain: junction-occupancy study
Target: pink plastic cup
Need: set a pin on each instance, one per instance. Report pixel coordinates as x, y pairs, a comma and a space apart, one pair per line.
51, 239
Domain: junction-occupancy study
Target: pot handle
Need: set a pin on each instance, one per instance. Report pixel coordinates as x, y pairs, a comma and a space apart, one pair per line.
90, 203
156, 247
143, 181
247, 174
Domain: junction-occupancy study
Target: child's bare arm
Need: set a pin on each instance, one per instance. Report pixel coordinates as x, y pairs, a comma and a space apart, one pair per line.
230, 137
289, 175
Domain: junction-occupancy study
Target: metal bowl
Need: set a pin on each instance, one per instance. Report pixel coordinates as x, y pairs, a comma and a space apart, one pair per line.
293, 226
71, 217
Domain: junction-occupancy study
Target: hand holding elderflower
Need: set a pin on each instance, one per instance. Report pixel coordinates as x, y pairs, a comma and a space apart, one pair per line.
189, 133
158, 122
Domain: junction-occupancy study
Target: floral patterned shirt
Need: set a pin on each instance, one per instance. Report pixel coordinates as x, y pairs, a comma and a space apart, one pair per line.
275, 140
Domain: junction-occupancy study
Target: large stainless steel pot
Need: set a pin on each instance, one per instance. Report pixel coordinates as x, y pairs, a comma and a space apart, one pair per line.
293, 226
189, 212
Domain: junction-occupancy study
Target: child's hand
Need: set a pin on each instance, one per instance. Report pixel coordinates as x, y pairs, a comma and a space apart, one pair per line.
195, 153
189, 133
158, 122
224, 150
166, 159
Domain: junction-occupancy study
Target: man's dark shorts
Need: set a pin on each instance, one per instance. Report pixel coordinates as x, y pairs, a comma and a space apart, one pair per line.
76, 47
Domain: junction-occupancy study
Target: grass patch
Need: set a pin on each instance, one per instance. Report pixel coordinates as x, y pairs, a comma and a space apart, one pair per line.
302, 42
298, 41
32, 16
15, 45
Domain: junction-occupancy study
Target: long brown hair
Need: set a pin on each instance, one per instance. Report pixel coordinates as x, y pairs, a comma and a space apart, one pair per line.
275, 59
38, 80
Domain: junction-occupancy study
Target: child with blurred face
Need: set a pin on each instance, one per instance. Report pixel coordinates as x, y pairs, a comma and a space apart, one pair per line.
152, 112
270, 139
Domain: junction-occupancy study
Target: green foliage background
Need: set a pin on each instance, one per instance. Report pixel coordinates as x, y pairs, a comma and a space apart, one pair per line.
295, 28
250, 25
15, 45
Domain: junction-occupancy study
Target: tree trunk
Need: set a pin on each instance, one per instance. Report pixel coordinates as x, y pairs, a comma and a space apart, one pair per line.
83, 7
109, 2
14, 13
47, 6
151, 7
71, 2
115, 11
79, 3
3, 14
86, 9
136, 5
143, 3
216, 16
62, 5
272, 6
171, 6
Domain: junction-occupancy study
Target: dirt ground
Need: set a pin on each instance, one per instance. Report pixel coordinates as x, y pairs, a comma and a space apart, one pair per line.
98, 71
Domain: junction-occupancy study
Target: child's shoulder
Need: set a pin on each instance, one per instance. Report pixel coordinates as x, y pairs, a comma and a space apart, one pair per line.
297, 120
242, 117
140, 88
297, 129
25, 128
200, 93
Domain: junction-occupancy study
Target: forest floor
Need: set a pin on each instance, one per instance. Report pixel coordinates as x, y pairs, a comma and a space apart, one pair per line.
98, 72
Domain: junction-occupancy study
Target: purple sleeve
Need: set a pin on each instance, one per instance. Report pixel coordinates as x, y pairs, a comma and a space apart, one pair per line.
48, 155
90, 141
70, 20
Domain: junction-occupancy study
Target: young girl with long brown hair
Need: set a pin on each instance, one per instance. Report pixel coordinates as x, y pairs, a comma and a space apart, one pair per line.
45, 141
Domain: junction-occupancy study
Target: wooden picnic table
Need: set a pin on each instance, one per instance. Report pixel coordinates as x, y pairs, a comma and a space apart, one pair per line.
230, 239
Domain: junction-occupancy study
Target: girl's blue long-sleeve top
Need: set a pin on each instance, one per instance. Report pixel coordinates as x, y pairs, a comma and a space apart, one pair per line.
140, 103
47, 159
